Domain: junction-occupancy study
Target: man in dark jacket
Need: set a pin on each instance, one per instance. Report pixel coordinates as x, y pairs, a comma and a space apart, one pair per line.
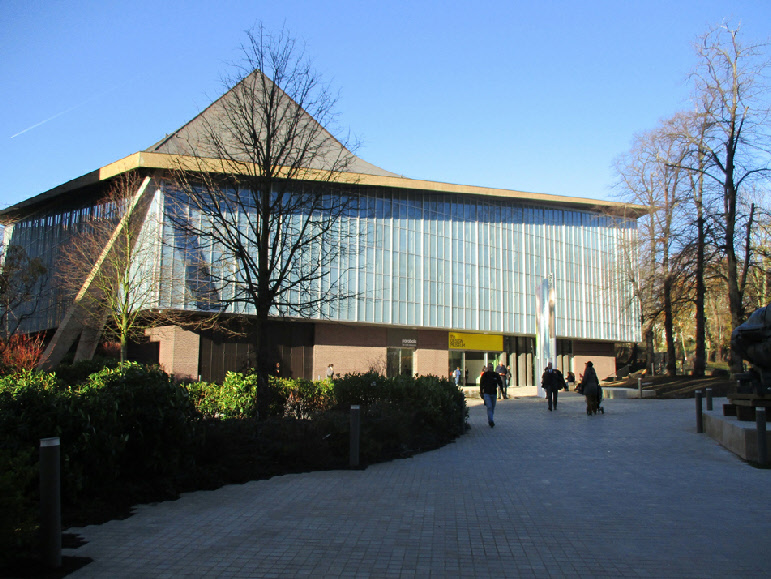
552, 381
501, 371
488, 390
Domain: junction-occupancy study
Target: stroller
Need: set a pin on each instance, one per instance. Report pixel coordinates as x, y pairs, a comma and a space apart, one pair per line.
599, 407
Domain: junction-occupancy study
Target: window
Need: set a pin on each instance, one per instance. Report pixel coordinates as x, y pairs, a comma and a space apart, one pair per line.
399, 361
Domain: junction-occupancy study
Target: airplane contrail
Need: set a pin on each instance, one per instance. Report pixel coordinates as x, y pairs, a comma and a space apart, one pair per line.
48, 119
72, 108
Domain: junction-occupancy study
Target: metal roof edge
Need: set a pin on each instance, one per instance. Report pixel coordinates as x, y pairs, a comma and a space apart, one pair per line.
152, 160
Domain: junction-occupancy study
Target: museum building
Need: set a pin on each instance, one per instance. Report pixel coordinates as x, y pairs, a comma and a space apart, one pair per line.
443, 275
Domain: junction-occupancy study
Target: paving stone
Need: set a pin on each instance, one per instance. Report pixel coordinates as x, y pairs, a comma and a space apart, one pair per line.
632, 493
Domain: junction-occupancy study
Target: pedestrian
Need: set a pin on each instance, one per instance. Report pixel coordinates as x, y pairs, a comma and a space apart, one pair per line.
466, 375
330, 371
488, 389
590, 386
456, 374
552, 381
501, 371
571, 381
508, 379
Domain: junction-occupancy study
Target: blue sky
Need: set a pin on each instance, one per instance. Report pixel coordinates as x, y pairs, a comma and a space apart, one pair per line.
536, 96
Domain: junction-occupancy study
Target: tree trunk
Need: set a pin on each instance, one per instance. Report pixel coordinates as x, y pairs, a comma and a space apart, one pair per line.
263, 366
700, 356
734, 293
668, 328
262, 299
649, 352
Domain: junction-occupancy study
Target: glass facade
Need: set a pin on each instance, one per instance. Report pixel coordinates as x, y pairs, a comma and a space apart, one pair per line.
420, 259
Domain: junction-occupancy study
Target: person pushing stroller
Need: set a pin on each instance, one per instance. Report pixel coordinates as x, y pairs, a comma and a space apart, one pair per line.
590, 387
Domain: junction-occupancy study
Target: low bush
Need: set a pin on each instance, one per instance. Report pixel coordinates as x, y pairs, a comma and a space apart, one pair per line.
77, 373
20, 352
141, 417
19, 511
403, 415
238, 395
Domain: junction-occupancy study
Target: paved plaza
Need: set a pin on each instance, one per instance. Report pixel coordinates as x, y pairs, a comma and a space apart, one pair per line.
633, 493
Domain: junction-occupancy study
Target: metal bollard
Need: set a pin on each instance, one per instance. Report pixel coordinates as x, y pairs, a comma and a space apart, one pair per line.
50, 502
699, 418
355, 434
709, 398
760, 421
639, 388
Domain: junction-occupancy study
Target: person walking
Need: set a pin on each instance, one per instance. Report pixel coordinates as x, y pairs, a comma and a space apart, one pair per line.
330, 371
456, 375
488, 389
552, 381
501, 371
590, 386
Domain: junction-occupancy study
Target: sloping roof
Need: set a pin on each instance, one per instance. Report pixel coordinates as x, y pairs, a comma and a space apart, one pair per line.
186, 139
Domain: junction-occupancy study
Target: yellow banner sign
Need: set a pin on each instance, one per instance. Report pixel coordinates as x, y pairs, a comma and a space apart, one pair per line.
483, 342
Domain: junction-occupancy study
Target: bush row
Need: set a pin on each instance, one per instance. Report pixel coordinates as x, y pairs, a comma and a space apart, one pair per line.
134, 426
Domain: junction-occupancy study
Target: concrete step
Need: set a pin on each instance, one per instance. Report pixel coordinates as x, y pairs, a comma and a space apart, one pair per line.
610, 392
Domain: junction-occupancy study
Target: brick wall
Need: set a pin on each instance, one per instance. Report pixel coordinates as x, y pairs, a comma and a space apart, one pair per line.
349, 348
432, 356
178, 350
601, 354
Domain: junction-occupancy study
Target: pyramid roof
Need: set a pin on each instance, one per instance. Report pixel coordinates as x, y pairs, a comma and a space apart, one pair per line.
191, 138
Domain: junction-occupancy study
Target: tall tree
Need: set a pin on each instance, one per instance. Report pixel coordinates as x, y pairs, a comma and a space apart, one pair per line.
688, 130
260, 192
650, 175
732, 101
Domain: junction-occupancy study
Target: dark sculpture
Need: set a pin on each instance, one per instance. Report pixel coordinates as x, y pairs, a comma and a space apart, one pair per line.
752, 341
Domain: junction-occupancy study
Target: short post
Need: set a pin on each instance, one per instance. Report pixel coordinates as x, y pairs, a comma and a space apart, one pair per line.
760, 421
639, 388
50, 502
355, 434
709, 398
699, 418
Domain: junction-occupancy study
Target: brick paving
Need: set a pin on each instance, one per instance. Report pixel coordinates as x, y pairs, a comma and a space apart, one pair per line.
633, 493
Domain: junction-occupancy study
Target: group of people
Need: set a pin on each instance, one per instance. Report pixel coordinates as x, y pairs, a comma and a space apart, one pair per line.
553, 381
492, 381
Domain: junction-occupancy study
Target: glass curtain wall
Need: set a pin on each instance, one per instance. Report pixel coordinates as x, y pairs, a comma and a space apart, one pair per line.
472, 263
419, 259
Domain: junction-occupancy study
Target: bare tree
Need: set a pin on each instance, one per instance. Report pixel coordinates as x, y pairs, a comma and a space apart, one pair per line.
261, 194
732, 102
650, 175
688, 131
118, 293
